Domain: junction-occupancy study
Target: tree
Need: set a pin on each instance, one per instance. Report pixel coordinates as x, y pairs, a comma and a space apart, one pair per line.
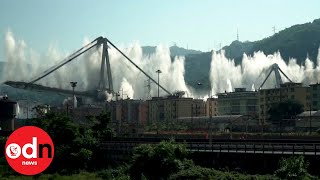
76, 147
101, 126
293, 168
159, 161
285, 110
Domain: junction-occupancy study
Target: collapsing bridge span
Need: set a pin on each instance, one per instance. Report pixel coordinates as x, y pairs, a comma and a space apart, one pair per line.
105, 82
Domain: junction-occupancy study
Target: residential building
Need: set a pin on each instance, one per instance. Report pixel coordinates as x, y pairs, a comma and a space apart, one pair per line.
289, 90
239, 102
308, 121
198, 108
212, 107
155, 109
315, 96
143, 113
81, 114
172, 107
127, 115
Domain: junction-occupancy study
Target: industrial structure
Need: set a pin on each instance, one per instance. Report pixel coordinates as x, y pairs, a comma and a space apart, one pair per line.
8, 112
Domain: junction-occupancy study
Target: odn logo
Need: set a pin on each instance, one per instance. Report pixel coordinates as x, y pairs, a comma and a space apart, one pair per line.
29, 150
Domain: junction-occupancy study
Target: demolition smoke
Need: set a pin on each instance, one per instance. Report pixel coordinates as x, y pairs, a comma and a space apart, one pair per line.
23, 63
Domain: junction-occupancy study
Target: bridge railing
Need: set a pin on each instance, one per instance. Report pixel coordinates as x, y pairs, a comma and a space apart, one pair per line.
264, 148
228, 147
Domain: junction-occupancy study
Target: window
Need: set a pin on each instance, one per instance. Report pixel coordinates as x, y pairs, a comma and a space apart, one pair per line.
292, 89
292, 96
314, 103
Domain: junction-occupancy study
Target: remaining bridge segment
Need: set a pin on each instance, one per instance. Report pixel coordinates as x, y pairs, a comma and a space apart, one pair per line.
105, 80
276, 69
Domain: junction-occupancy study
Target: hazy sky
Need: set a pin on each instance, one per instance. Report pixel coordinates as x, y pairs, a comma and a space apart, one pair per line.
200, 24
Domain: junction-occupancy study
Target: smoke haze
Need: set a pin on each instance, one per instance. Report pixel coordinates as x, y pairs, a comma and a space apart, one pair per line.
224, 74
23, 63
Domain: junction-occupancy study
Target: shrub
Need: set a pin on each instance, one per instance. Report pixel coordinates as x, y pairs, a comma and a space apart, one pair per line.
293, 168
197, 172
159, 161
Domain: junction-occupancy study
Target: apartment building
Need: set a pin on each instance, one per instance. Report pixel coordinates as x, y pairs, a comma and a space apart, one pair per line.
239, 102
315, 96
289, 90
172, 107
212, 107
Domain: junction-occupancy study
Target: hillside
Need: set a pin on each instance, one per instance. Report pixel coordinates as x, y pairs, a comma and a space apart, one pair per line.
174, 50
298, 41
197, 68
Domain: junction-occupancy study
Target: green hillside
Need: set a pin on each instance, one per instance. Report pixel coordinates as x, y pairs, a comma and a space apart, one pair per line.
174, 51
298, 41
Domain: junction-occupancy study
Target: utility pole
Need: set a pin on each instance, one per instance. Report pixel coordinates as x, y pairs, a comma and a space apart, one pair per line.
122, 93
73, 85
27, 109
310, 127
158, 71
192, 115
148, 88
210, 120
158, 100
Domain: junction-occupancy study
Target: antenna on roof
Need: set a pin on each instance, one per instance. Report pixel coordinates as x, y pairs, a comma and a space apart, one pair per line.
237, 34
274, 29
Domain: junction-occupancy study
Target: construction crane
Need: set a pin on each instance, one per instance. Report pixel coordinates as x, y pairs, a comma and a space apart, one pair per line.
105, 85
276, 69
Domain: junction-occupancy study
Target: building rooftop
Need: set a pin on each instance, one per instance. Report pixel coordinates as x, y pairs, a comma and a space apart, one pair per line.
170, 97
316, 84
222, 118
307, 114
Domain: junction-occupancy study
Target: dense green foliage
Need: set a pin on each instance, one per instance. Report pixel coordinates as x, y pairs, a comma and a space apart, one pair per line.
297, 41
77, 150
197, 172
285, 110
236, 50
174, 51
293, 168
163, 126
76, 147
159, 161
